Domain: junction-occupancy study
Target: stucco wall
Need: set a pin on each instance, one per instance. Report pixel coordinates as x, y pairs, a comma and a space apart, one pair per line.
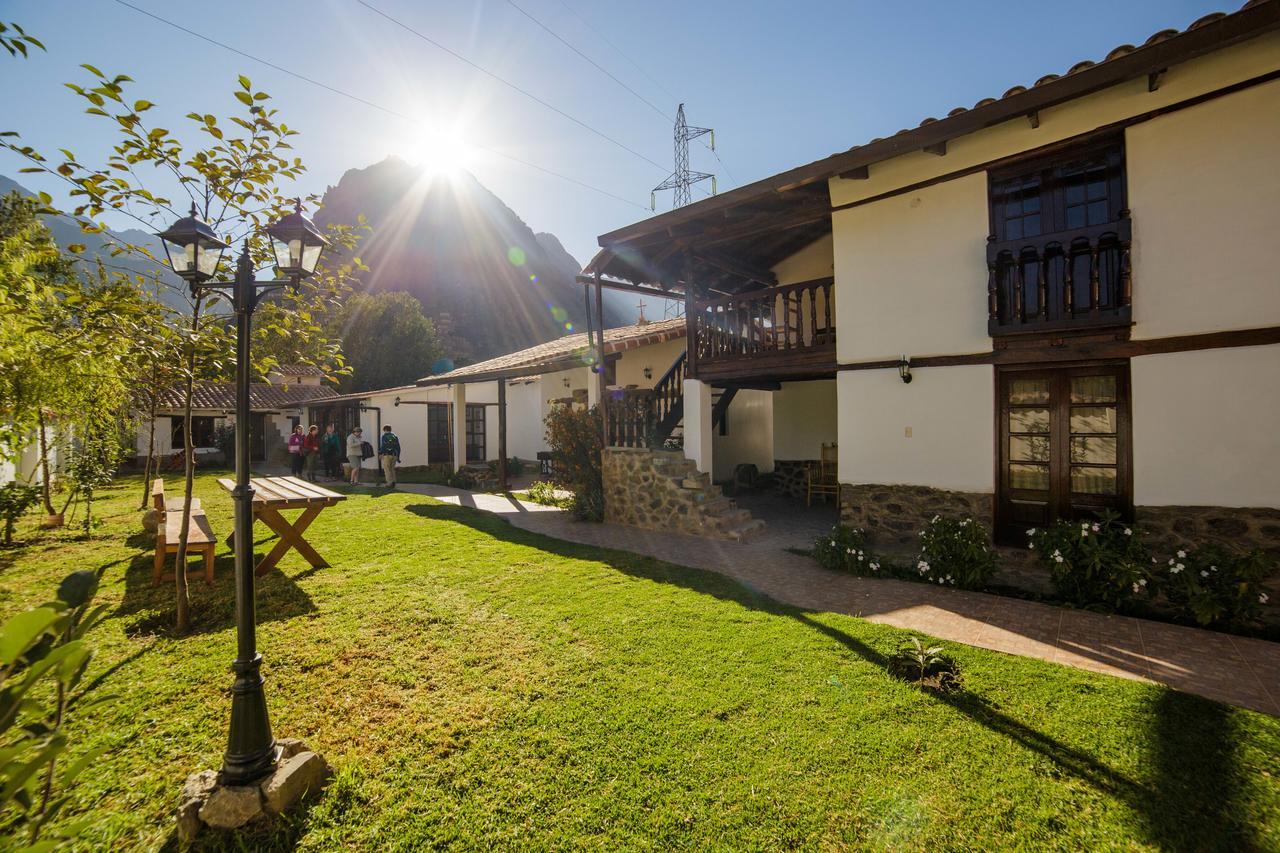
911, 273
804, 419
1205, 194
657, 357
813, 261
949, 413
749, 436
1206, 428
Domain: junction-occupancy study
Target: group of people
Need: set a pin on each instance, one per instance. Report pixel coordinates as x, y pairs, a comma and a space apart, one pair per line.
308, 449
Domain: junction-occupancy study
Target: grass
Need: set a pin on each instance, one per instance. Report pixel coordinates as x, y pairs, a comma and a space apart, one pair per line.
479, 686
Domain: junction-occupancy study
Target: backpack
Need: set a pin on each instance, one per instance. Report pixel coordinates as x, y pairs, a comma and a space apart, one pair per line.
366, 450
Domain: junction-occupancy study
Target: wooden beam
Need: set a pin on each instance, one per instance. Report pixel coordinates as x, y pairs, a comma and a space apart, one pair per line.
939, 148
600, 377
1033, 118
857, 173
502, 433
1153, 79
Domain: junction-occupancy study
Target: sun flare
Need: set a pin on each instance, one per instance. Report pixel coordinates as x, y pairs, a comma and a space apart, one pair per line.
441, 153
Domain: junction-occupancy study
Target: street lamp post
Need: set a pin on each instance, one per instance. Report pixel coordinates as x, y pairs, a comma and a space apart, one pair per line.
194, 252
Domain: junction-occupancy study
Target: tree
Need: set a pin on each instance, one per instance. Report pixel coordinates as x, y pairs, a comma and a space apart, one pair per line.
387, 340
234, 179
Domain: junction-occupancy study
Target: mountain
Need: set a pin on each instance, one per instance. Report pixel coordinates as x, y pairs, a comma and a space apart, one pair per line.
489, 281
66, 232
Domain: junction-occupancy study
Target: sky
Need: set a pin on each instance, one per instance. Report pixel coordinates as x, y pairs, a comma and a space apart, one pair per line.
782, 83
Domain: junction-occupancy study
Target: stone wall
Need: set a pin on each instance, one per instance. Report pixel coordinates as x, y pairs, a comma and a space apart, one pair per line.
895, 515
1169, 528
789, 476
661, 490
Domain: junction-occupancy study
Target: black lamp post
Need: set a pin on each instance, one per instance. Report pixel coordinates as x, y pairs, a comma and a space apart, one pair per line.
194, 252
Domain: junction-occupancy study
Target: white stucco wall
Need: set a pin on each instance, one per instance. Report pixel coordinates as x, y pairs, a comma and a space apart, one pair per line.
630, 365
949, 413
1205, 194
1206, 428
911, 274
813, 261
749, 436
525, 428
804, 419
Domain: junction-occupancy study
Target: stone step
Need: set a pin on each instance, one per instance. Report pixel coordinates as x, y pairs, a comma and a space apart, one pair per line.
746, 532
696, 481
718, 506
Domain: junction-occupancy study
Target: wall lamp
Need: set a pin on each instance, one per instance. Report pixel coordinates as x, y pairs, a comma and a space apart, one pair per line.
567, 383
904, 370
648, 372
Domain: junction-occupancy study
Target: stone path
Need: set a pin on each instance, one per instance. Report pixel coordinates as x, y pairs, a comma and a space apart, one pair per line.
1237, 670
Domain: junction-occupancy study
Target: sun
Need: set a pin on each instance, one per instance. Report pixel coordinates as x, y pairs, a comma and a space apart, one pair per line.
443, 153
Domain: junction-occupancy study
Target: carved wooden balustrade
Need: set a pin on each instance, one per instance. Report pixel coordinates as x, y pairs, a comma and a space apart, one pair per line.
1065, 280
787, 328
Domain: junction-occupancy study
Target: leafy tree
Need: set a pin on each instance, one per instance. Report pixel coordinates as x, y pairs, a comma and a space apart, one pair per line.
388, 341
94, 465
15, 499
574, 435
234, 178
15, 39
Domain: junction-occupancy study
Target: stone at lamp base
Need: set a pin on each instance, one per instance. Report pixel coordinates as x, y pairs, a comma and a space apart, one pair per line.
206, 802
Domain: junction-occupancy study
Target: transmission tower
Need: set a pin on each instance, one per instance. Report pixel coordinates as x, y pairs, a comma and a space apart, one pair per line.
682, 178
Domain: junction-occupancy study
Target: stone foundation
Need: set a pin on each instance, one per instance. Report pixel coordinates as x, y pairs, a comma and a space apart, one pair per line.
661, 490
1169, 528
789, 476
894, 515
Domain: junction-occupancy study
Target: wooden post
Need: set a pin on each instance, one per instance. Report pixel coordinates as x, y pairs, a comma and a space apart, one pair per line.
502, 433
600, 377
690, 319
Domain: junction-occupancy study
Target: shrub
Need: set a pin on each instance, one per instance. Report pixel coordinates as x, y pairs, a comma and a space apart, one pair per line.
925, 665
1094, 563
544, 492
15, 499
844, 549
1215, 586
574, 437
955, 552
515, 467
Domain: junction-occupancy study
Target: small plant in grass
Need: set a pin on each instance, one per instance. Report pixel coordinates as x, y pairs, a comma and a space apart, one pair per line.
1100, 563
845, 549
15, 499
92, 468
1215, 586
43, 658
955, 552
924, 665
544, 492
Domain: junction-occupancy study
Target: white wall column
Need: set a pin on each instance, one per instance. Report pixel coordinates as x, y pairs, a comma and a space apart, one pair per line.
697, 424
593, 390
459, 425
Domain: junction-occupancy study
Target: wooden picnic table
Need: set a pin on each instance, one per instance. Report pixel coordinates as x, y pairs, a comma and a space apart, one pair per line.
271, 495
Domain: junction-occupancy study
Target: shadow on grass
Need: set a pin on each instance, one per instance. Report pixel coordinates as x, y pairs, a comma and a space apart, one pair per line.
1192, 803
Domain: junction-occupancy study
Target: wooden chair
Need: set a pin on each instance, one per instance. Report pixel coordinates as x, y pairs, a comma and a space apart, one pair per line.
200, 536
822, 477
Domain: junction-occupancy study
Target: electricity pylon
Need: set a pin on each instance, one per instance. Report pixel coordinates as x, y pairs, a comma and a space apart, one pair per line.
682, 178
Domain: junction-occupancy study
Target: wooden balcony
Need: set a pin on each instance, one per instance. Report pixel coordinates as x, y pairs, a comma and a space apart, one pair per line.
771, 333
1077, 279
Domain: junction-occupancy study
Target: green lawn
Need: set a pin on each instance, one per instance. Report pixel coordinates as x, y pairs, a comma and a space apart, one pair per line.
479, 686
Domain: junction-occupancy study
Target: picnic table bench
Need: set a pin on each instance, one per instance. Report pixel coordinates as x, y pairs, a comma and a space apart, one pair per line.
200, 536
271, 495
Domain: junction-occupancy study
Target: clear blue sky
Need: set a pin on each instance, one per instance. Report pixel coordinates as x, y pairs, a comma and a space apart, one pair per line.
782, 83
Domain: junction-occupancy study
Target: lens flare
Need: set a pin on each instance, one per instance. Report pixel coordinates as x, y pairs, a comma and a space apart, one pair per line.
515, 255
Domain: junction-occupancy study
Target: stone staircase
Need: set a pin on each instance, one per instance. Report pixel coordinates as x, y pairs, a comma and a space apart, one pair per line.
661, 490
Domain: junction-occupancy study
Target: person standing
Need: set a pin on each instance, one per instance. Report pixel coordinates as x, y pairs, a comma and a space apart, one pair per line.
355, 454
389, 455
331, 451
295, 451
311, 451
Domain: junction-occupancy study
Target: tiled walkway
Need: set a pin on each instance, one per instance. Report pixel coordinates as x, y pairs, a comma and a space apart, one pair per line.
1237, 670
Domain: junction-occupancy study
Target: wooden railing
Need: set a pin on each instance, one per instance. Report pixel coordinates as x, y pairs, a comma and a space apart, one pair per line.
668, 398
1064, 280
788, 322
631, 418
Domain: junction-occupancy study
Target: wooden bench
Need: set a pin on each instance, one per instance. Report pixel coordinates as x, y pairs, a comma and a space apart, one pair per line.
200, 536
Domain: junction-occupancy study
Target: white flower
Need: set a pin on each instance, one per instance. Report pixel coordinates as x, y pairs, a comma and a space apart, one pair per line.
1213, 568
1142, 582
1084, 534
875, 567
1154, 560
935, 519
859, 557
1181, 566
1096, 528
1057, 558
1031, 547
1128, 532
1031, 532
1203, 573
1262, 598
1175, 569
1084, 526
1136, 588
1182, 555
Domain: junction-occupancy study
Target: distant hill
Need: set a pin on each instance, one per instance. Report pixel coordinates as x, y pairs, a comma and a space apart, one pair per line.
464, 254
66, 232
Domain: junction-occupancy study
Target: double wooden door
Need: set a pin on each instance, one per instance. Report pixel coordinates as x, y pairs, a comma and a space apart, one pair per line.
1065, 450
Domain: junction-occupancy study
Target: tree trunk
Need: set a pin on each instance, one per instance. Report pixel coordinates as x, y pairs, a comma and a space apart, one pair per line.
45, 487
149, 463
180, 570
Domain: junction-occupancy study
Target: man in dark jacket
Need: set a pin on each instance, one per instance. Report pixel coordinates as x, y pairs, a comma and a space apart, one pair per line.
388, 455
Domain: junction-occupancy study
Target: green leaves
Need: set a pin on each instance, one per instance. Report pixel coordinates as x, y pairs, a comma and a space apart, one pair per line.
22, 631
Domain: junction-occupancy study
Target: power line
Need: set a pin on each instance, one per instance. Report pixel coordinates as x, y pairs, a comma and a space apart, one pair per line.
595, 64
619, 51
508, 83
376, 106
728, 174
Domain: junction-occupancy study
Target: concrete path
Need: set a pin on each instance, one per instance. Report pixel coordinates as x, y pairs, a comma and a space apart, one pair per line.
1237, 670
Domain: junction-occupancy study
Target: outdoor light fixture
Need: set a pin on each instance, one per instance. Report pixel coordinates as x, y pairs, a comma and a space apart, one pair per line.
297, 244
904, 369
648, 372
566, 382
194, 251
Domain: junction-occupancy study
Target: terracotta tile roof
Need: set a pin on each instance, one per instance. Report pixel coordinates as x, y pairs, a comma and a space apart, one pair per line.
297, 370
262, 396
561, 354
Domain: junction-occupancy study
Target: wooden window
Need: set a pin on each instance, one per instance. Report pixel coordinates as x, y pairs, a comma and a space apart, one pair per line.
1058, 255
1064, 446
201, 431
439, 439
475, 433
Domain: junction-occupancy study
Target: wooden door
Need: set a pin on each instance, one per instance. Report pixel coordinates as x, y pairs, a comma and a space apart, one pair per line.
1064, 446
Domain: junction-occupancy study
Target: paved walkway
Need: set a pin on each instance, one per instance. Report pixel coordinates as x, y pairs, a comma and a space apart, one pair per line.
1236, 670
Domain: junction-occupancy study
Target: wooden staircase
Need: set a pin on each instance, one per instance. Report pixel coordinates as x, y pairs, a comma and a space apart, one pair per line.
668, 397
